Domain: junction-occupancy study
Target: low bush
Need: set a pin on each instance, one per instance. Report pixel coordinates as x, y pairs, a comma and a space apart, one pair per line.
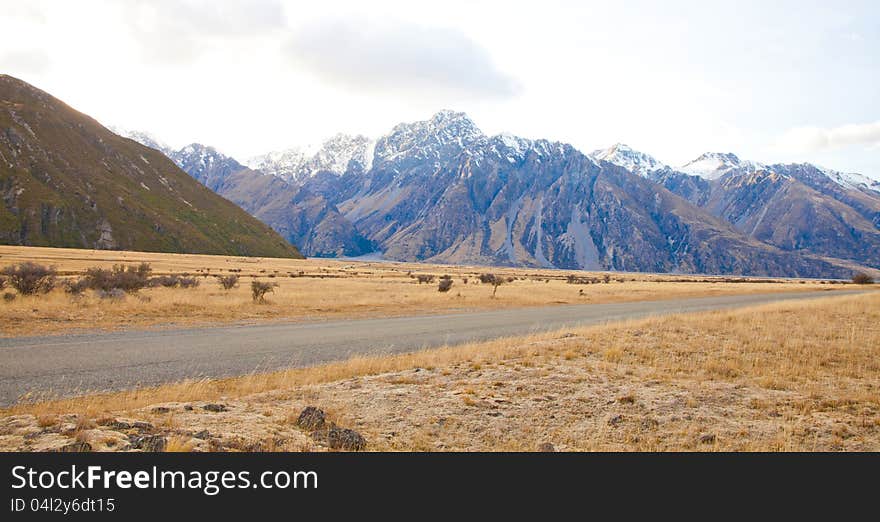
445, 284
575, 280
30, 278
165, 281
76, 287
228, 282
423, 278
862, 278
488, 278
174, 281
128, 279
259, 289
188, 282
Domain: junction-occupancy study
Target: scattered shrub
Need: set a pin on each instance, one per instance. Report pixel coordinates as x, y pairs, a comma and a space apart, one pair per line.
2, 283
228, 282
9, 297
445, 284
166, 281
127, 279
188, 282
30, 278
175, 281
606, 278
493, 280
425, 278
76, 287
464, 280
862, 278
259, 289
575, 280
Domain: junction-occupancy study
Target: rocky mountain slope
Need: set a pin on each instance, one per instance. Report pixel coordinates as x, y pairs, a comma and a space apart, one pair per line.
441, 190
67, 181
795, 207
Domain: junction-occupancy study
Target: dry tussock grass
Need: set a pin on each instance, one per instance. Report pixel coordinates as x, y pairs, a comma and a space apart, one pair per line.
787, 376
319, 289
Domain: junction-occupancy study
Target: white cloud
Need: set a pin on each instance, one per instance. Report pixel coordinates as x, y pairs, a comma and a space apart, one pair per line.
396, 57
814, 139
178, 31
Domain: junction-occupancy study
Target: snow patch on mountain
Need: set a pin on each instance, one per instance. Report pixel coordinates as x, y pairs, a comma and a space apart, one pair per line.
336, 155
713, 165
851, 180
632, 160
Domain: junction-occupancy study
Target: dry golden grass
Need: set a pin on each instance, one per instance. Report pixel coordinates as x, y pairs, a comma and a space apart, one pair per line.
321, 289
787, 376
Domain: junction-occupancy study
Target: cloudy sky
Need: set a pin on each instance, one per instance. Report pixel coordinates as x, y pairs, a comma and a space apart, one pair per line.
770, 81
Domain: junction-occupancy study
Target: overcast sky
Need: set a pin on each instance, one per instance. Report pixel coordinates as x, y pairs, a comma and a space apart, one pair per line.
770, 81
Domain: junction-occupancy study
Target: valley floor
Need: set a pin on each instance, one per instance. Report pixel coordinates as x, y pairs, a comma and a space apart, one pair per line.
318, 289
780, 377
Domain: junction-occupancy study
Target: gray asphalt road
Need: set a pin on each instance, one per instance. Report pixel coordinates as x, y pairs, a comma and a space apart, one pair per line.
74, 364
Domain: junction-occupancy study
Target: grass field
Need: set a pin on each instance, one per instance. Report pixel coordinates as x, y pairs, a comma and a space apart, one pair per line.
794, 376
321, 289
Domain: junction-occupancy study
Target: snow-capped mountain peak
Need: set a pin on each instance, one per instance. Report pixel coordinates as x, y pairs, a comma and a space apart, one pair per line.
632, 160
713, 165
444, 135
335, 155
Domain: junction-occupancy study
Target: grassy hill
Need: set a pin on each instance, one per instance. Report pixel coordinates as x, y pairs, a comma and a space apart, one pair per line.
67, 181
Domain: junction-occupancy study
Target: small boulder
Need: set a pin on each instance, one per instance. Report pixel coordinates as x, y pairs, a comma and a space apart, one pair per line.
311, 418
345, 439
707, 439
160, 410
216, 408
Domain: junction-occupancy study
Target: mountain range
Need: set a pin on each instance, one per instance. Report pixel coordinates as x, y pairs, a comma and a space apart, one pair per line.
67, 181
441, 190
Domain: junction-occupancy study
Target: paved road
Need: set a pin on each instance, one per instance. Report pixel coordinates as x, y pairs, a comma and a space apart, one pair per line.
74, 364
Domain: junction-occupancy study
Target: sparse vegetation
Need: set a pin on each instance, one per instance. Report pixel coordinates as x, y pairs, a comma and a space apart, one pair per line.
259, 289
495, 281
30, 278
488, 278
228, 282
583, 280
76, 287
861, 278
425, 278
174, 281
128, 279
445, 284
321, 289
